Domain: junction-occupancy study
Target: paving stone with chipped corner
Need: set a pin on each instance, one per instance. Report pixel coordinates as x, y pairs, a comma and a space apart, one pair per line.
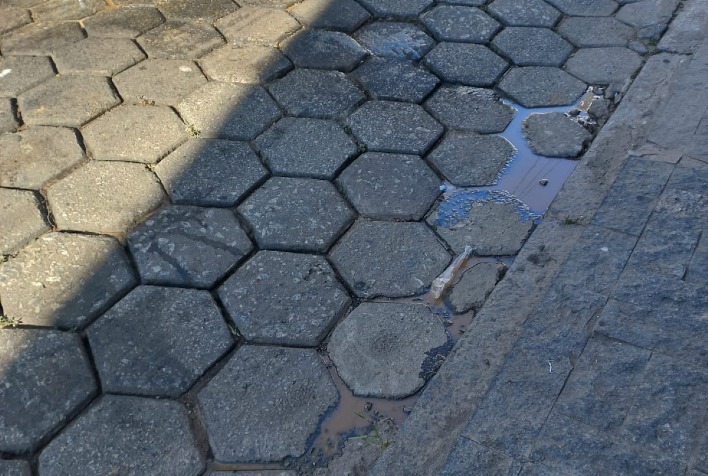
554, 134
8, 121
541, 86
648, 17
341, 15
604, 65
60, 10
101, 56
160, 82
395, 40
206, 10
396, 8
40, 39
451, 62
474, 286
397, 80
322, 49
20, 73
460, 24
530, 46
257, 26
11, 18
590, 32
585, 8
127, 22
179, 39
524, 13
467, 108
21, 219
248, 64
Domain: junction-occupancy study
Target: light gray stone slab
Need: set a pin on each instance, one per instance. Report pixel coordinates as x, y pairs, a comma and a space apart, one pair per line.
8, 121
323, 49
474, 286
21, 219
342, 15
451, 63
531, 46
180, 39
524, 12
555, 134
11, 18
541, 86
255, 25
21, 73
99, 56
471, 109
40, 38
395, 80
395, 40
58, 10
459, 23
604, 65
160, 82
122, 22
591, 32
248, 64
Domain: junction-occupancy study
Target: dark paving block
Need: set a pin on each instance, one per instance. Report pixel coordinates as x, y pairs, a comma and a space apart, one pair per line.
188, 246
524, 13
207, 10
585, 8
396, 8
284, 298
296, 214
11, 18
20, 73
257, 26
249, 64
100, 56
46, 378
8, 121
589, 32
530, 46
389, 259
395, 40
16, 467
64, 280
541, 86
322, 49
460, 24
474, 286
21, 219
40, 38
286, 392
179, 39
390, 186
302, 147
342, 15
128, 435
158, 341
397, 80
689, 180
160, 82
59, 10
604, 65
452, 61
125, 22
648, 17
555, 134
468, 457
387, 126
473, 109
639, 287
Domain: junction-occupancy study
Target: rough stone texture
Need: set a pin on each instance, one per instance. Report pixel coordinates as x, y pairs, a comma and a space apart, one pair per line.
382, 349
524, 13
279, 4
396, 8
390, 186
648, 17
211, 172
526, 46
305, 148
123, 22
342, 15
466, 108
451, 62
40, 38
208, 10
46, 378
395, 40
469, 457
585, 8
604, 65
104, 197
685, 32
589, 32
158, 341
21, 219
178, 39
541, 86
11, 18
555, 134
158, 82
229, 111
249, 64
67, 101
387, 126
21, 73
8, 121
15, 467
389, 259
128, 435
285, 391
257, 26
474, 286
467, 159
316, 94
100, 56
59, 10
460, 24
397, 80
296, 214
322, 49
284, 298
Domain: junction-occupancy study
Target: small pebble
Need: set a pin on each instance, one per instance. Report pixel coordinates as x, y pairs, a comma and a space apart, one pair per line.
368, 406
407, 409
543, 182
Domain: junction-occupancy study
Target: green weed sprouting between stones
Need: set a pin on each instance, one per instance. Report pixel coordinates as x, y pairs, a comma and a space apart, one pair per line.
570, 221
6, 321
193, 131
373, 438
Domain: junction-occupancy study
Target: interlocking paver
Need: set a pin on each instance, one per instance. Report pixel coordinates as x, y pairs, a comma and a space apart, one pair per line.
180, 39
342, 15
322, 49
160, 82
526, 46
248, 64
451, 62
22, 73
284, 298
524, 12
158, 341
466, 108
398, 80
648, 17
395, 40
554, 134
461, 24
46, 377
127, 22
8, 121
585, 8
604, 65
396, 8
474, 286
40, 38
592, 32
208, 10
59, 10
21, 219
188, 246
255, 25
102, 56
11, 18
541, 86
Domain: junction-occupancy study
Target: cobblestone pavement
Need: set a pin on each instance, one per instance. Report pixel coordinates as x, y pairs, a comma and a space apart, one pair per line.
220, 221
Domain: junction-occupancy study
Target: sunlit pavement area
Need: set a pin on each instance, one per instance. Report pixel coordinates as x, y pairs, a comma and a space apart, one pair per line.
225, 228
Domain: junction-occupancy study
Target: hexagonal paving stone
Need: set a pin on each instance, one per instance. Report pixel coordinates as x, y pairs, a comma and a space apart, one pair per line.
257, 26
127, 22
229, 111
390, 186
389, 259
648, 17
474, 286
396, 8
32, 157
211, 172
460, 23
207, 10
179, 39
452, 63
472, 160
60, 10
395, 40
11, 18
8, 121
380, 348
462, 107
104, 197
67, 101
159, 82
322, 49
21, 220
249, 64
284, 298
387, 126
596, 31
585, 8
524, 12
555, 135
158, 341
102, 56
64, 280
126, 435
398, 80
342, 15
317, 94
604, 65
46, 377
306, 148
526, 46
20, 73
541, 86
188, 246
40, 38
296, 214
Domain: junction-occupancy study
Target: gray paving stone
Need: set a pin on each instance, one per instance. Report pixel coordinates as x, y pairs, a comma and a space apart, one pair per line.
46, 378
468, 457
21, 3
255, 25
389, 259
685, 32
648, 17
396, 8
387, 126
284, 299
11, 18
316, 94
229, 111
301, 147
322, 49
382, 349
126, 22
8, 121
160, 82
474, 286
16, 467
395, 40
104, 197
467, 159
555, 134
207, 10
179, 39
585, 8
100, 56
524, 13
59, 10
67, 101
451, 62
342, 15
466, 108
698, 267
22, 73
21, 219
397, 80
604, 65
129, 435
79, 277
461, 24
249, 64
541, 86
158, 341
285, 390
280, 4
530, 46
589, 32
40, 38
211, 172
390, 186
296, 214
469, 3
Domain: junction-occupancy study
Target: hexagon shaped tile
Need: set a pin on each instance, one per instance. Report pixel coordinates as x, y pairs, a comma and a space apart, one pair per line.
22, 73
180, 39
396, 8
585, 8
524, 12
473, 109
397, 80
604, 65
41, 38
395, 40
248, 64
322, 49
125, 22
341, 15
101, 56
451, 62
160, 82
255, 25
526, 46
541, 86
21, 219
460, 24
